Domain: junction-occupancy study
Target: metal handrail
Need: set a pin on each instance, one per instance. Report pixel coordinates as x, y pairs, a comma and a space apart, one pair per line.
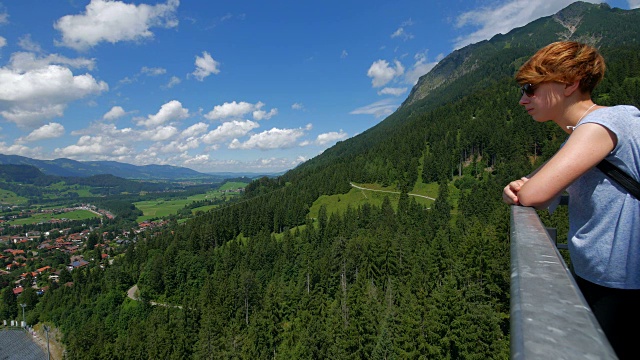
549, 317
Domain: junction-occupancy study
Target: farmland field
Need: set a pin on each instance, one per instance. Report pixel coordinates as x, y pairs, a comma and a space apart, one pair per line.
159, 208
42, 218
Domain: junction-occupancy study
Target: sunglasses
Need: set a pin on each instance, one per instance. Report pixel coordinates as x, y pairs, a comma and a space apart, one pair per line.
527, 89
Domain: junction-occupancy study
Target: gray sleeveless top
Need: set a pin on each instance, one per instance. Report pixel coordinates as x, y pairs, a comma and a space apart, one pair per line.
604, 219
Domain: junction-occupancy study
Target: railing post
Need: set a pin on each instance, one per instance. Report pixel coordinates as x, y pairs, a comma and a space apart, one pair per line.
549, 317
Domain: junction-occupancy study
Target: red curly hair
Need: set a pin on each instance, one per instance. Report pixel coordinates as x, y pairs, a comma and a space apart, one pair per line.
564, 62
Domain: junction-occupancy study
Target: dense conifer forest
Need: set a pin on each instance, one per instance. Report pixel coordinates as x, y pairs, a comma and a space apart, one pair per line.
261, 279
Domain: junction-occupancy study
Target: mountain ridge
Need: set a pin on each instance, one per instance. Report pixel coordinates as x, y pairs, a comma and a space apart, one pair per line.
73, 168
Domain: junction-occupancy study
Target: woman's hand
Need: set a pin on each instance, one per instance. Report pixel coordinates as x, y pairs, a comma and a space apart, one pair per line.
510, 192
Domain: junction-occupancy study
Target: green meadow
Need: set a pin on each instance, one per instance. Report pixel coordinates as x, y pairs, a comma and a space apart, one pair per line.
159, 208
43, 218
373, 194
10, 198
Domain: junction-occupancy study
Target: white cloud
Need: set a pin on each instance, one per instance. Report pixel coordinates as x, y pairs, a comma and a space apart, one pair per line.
114, 21
297, 106
381, 72
419, 68
502, 18
153, 71
263, 115
108, 130
3, 42
378, 109
29, 97
194, 130
18, 149
634, 4
25, 61
330, 137
344, 54
270, 139
94, 145
26, 43
229, 130
173, 82
205, 66
49, 131
238, 110
160, 133
200, 159
179, 146
114, 113
392, 91
171, 111
402, 33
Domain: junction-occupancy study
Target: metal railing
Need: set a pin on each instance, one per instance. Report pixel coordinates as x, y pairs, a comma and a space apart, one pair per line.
549, 317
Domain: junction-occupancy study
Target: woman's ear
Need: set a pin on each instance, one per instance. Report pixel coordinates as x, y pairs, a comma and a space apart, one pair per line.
571, 88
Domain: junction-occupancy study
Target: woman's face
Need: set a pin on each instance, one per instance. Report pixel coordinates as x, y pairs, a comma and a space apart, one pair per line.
546, 101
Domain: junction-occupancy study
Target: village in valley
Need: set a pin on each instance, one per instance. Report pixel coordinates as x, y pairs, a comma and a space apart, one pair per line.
33, 261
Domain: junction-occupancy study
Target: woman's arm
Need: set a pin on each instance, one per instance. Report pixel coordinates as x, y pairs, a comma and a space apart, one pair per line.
586, 147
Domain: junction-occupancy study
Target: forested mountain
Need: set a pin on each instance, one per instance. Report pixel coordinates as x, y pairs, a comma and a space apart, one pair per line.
73, 168
261, 279
29, 181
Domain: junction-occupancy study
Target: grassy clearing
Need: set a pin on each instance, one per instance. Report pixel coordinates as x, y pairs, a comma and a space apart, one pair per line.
43, 218
161, 208
10, 198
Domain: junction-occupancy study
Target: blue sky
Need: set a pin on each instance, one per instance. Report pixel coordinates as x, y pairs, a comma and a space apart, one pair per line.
240, 86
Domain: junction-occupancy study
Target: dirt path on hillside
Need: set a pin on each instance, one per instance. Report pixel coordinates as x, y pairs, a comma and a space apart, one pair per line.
134, 294
391, 192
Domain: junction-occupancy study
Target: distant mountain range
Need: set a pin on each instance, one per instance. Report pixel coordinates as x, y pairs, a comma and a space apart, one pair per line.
73, 168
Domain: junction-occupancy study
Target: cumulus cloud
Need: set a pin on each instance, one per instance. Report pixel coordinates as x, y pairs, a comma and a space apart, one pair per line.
392, 91
171, 111
271, 139
194, 130
94, 145
330, 137
378, 109
179, 146
634, 4
115, 113
29, 97
263, 115
22, 150
161, 133
49, 131
205, 66
3, 42
504, 17
381, 72
297, 106
25, 61
229, 130
114, 21
239, 109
